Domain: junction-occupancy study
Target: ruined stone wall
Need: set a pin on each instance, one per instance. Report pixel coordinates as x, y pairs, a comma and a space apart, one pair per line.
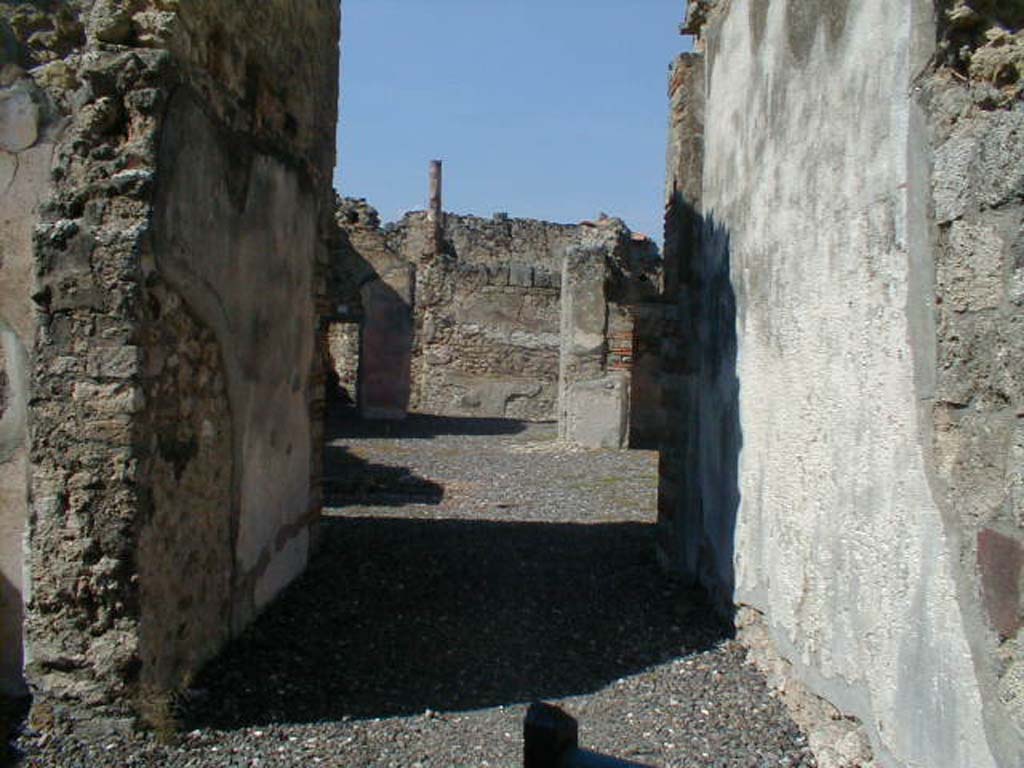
486, 309
487, 319
848, 458
174, 388
381, 280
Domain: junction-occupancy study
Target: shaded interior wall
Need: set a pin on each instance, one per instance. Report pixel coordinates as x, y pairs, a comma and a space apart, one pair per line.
27, 134
375, 282
652, 324
343, 357
238, 236
175, 385
678, 536
189, 529
870, 446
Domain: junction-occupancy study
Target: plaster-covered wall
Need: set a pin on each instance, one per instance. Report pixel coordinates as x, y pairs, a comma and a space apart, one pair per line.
26, 151
811, 477
247, 275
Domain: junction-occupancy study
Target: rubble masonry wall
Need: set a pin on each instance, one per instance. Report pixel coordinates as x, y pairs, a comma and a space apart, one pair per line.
485, 310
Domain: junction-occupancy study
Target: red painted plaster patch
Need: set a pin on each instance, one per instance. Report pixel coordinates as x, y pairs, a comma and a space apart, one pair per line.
1000, 559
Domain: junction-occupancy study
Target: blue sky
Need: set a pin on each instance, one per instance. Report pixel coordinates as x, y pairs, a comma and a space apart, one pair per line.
550, 109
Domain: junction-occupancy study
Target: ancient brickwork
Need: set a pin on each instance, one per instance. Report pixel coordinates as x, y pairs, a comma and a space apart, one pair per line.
183, 239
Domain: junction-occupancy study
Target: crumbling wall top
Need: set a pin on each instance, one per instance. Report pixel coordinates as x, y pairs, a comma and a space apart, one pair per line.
982, 42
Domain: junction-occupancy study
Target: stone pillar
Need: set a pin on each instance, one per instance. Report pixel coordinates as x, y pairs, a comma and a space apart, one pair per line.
593, 404
435, 211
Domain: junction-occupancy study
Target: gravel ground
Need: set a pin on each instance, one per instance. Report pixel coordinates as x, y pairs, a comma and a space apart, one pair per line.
468, 567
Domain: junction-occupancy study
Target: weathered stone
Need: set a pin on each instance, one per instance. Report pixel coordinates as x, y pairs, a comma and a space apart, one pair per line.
978, 166
597, 412
111, 21
485, 314
520, 275
972, 278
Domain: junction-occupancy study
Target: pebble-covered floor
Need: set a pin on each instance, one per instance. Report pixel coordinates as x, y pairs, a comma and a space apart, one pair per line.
468, 567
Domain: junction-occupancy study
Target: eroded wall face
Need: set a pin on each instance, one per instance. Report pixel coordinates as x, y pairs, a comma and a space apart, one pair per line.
82, 618
813, 488
487, 341
342, 339
487, 320
185, 546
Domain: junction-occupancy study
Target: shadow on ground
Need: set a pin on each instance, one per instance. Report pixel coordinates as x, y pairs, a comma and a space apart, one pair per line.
344, 421
397, 616
349, 479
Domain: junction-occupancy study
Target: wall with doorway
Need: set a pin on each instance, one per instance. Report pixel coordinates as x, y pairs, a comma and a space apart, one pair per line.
847, 454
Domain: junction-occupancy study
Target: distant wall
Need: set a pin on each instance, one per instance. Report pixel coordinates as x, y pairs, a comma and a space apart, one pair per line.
488, 319
846, 461
485, 311
343, 357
